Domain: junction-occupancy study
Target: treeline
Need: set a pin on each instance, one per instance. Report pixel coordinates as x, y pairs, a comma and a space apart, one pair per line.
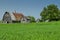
49, 13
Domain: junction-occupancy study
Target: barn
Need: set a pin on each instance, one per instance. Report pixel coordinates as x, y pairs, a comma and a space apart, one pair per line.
15, 18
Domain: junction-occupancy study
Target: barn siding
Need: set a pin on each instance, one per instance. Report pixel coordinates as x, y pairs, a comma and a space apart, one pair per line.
7, 18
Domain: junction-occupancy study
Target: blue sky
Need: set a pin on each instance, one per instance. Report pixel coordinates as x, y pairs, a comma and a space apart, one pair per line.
27, 7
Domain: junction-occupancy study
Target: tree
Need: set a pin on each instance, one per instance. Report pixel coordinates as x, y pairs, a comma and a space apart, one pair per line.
59, 14
32, 19
50, 13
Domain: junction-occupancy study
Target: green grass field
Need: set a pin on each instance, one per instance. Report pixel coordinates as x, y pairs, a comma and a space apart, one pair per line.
30, 31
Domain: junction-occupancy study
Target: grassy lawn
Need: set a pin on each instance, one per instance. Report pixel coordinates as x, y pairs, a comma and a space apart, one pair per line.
30, 31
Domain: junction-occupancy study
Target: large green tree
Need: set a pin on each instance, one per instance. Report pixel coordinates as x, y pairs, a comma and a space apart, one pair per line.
51, 12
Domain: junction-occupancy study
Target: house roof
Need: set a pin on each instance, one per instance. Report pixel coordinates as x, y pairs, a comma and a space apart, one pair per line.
18, 16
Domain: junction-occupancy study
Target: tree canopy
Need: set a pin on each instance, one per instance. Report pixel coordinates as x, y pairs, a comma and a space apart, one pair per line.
32, 19
51, 12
